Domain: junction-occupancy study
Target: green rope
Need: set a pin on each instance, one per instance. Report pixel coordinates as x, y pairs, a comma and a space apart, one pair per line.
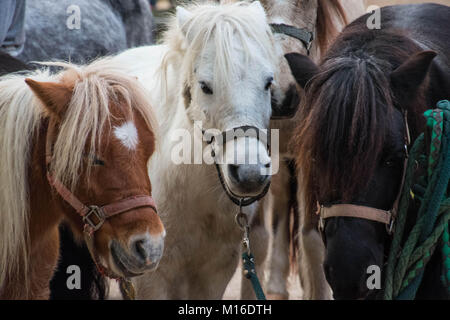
446, 258
250, 273
407, 259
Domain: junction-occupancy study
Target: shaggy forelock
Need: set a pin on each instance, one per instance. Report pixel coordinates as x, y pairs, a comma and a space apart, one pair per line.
344, 125
221, 25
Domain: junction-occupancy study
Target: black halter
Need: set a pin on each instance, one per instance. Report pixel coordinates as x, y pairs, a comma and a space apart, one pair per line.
302, 34
227, 136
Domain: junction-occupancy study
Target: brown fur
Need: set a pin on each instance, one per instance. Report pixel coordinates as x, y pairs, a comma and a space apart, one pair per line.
326, 26
118, 179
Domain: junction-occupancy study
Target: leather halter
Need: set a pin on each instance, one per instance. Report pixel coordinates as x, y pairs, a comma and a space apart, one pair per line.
358, 211
93, 216
302, 34
225, 137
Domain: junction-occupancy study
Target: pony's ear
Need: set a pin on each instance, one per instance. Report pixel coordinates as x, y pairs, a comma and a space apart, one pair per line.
55, 96
302, 68
408, 77
183, 16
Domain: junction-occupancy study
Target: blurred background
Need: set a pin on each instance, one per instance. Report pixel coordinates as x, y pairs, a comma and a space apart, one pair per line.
161, 7
391, 2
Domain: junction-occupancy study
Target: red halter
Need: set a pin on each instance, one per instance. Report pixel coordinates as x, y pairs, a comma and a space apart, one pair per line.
93, 216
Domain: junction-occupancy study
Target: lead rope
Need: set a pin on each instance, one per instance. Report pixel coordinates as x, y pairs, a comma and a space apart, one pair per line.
125, 285
248, 261
407, 260
127, 289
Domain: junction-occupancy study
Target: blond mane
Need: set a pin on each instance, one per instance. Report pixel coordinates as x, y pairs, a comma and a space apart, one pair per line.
220, 23
96, 85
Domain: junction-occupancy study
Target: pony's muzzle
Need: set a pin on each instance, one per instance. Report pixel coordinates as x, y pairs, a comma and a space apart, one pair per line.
248, 179
247, 168
142, 255
148, 250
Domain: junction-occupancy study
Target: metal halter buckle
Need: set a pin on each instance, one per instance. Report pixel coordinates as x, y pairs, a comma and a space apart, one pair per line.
390, 226
99, 217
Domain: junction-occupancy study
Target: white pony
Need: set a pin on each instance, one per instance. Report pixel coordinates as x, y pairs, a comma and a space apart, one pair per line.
216, 65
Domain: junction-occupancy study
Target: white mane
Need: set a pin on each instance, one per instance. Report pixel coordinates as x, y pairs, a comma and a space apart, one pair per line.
221, 24
19, 119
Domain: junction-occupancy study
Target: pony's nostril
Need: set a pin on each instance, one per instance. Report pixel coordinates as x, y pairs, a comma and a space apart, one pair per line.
139, 246
233, 171
148, 250
267, 165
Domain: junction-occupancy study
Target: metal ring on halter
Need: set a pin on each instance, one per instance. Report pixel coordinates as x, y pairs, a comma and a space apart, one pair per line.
390, 226
241, 216
241, 220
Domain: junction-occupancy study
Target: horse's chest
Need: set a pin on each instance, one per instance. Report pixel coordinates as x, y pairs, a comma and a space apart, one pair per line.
210, 236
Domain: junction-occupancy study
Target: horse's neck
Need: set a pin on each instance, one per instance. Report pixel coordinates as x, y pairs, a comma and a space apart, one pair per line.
144, 63
44, 218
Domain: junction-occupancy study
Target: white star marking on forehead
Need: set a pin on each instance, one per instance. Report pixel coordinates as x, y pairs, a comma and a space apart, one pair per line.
127, 134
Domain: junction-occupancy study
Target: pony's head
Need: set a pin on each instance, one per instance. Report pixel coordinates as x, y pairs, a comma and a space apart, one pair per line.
320, 19
227, 59
350, 145
103, 138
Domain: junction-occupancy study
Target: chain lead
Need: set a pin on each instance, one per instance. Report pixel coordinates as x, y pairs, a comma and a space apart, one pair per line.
242, 222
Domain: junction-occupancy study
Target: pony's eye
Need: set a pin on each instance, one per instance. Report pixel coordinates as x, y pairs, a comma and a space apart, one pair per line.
98, 162
205, 88
268, 83
389, 163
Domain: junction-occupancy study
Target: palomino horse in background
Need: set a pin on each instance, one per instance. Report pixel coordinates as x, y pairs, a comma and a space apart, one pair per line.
294, 21
106, 27
75, 146
362, 103
216, 66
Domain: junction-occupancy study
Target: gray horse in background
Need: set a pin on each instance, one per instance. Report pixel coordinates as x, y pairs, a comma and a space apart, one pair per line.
105, 27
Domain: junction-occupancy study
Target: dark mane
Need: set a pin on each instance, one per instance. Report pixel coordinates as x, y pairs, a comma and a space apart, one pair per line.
349, 111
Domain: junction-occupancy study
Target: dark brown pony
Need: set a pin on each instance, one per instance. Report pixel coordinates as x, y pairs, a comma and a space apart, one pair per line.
350, 144
103, 137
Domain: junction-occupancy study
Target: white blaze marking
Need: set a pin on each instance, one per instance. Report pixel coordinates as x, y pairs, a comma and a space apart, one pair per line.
127, 134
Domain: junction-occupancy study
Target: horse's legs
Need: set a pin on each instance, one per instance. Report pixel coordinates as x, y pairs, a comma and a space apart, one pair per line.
259, 241
279, 254
311, 256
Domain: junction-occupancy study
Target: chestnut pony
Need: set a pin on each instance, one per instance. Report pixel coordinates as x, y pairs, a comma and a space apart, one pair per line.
68, 141
351, 145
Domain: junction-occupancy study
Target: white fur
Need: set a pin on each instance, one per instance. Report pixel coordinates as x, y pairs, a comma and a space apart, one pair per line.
127, 134
230, 47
